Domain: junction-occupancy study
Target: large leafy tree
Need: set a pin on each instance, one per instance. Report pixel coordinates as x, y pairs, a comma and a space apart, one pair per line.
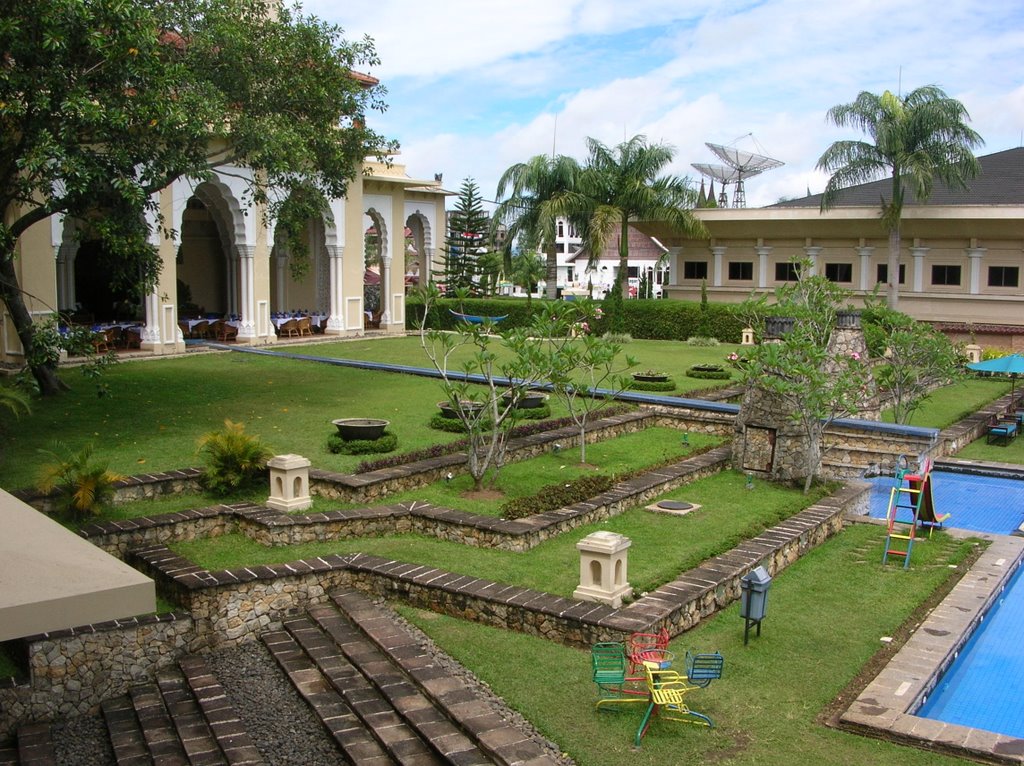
915, 139
105, 102
624, 184
538, 194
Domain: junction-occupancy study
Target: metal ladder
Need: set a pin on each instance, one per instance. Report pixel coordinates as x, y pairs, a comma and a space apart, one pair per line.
907, 497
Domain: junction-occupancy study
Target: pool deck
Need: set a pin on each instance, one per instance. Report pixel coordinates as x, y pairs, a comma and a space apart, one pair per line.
882, 708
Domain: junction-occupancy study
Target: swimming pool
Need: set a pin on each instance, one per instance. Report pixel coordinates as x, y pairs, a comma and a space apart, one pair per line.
982, 687
977, 503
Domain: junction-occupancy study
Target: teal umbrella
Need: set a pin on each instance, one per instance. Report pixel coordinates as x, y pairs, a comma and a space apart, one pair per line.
1011, 365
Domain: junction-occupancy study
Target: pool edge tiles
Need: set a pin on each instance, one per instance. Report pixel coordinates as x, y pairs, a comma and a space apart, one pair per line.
914, 671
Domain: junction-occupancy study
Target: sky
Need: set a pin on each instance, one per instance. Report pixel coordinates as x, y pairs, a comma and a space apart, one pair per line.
475, 86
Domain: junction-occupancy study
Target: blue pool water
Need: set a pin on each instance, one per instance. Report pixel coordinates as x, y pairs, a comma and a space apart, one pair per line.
977, 503
983, 686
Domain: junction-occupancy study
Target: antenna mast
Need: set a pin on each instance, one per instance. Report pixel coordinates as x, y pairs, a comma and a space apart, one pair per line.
739, 165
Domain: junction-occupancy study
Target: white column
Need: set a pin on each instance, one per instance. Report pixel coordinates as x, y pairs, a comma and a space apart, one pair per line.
336, 318
866, 281
975, 254
281, 266
385, 290
151, 330
918, 253
247, 291
716, 269
812, 252
231, 281
763, 254
65, 253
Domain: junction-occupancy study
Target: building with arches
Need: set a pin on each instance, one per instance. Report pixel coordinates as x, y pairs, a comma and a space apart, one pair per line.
220, 256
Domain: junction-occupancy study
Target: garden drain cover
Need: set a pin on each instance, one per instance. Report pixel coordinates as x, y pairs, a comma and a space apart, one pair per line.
674, 505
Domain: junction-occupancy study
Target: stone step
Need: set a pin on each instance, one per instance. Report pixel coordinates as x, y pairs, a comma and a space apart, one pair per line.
345, 727
378, 715
9, 756
158, 732
193, 731
465, 705
228, 729
35, 745
125, 733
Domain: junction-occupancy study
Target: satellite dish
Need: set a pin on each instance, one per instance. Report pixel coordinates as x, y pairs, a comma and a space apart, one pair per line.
739, 165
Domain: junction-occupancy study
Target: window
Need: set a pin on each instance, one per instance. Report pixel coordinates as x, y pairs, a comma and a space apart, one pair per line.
945, 275
561, 230
662, 275
883, 273
695, 269
787, 272
1003, 276
633, 271
741, 271
570, 275
839, 272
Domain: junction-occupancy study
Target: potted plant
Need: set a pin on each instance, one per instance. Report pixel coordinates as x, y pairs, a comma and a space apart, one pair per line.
650, 376
528, 400
466, 406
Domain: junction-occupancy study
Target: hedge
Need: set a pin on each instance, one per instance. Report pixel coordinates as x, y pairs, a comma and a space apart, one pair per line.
644, 319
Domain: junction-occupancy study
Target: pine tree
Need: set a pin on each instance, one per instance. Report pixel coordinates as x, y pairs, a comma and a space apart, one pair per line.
466, 240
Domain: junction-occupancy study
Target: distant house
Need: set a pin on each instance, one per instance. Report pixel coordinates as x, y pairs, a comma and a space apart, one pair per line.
960, 267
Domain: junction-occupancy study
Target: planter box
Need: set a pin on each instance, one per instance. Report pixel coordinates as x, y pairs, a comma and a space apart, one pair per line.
360, 429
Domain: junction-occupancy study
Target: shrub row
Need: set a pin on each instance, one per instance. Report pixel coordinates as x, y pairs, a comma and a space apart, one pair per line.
386, 443
644, 319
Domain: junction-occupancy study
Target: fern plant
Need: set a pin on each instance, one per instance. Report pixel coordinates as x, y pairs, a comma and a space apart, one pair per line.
233, 459
84, 488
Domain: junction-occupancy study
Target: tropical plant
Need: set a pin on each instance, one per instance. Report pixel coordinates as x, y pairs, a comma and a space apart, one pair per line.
528, 269
468, 238
538, 195
105, 103
915, 139
620, 185
233, 459
84, 488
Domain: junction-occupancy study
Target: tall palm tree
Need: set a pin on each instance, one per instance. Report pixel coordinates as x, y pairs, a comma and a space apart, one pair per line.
916, 139
622, 184
538, 192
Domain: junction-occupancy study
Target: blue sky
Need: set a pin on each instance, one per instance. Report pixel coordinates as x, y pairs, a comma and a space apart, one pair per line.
476, 86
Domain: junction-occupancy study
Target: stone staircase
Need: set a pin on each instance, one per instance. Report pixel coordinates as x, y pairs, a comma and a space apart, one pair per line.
365, 674
382, 699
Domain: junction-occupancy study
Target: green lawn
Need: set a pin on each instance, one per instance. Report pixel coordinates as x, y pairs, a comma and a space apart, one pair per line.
663, 545
826, 614
945, 406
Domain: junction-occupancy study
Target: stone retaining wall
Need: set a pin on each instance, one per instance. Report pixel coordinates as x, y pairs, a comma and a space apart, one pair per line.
73, 671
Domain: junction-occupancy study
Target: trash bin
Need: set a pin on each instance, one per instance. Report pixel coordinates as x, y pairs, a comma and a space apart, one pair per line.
754, 599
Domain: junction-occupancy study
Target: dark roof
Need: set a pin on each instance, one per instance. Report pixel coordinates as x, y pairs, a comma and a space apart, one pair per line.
1000, 182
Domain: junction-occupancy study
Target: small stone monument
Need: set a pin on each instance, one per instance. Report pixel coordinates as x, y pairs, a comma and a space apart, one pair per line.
603, 563
289, 483
973, 351
747, 336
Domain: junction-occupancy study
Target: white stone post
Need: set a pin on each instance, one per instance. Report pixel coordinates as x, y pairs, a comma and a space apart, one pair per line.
603, 564
289, 483
747, 336
973, 351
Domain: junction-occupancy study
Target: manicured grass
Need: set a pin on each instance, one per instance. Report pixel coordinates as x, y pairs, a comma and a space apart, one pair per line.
663, 545
979, 449
945, 406
826, 614
625, 453
672, 357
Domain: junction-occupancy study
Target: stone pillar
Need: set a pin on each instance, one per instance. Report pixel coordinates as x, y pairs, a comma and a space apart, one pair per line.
289, 483
867, 281
763, 254
974, 256
385, 290
812, 252
717, 252
603, 562
336, 312
918, 253
747, 336
247, 292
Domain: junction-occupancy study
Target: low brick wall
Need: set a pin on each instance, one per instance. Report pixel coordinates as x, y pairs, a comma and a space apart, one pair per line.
73, 671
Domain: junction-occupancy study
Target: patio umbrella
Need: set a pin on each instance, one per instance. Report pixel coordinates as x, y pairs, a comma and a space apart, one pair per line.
1012, 365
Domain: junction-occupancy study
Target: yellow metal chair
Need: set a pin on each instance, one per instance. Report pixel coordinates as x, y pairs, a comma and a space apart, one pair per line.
667, 691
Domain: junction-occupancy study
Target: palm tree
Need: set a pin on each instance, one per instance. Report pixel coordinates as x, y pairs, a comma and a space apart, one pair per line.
538, 194
917, 138
528, 269
621, 185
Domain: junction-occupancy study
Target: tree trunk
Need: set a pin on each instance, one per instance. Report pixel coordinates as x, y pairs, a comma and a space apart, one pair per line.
583, 442
551, 283
893, 282
10, 293
622, 279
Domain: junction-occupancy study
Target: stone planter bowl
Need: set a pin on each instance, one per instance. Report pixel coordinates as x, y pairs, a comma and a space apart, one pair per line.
363, 429
645, 378
468, 407
530, 400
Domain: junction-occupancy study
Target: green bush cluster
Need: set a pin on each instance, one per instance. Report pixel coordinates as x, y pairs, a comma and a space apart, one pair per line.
454, 426
388, 442
708, 372
652, 385
651, 320
555, 496
233, 459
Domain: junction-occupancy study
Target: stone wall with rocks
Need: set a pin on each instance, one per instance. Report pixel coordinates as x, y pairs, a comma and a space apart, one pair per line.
70, 672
